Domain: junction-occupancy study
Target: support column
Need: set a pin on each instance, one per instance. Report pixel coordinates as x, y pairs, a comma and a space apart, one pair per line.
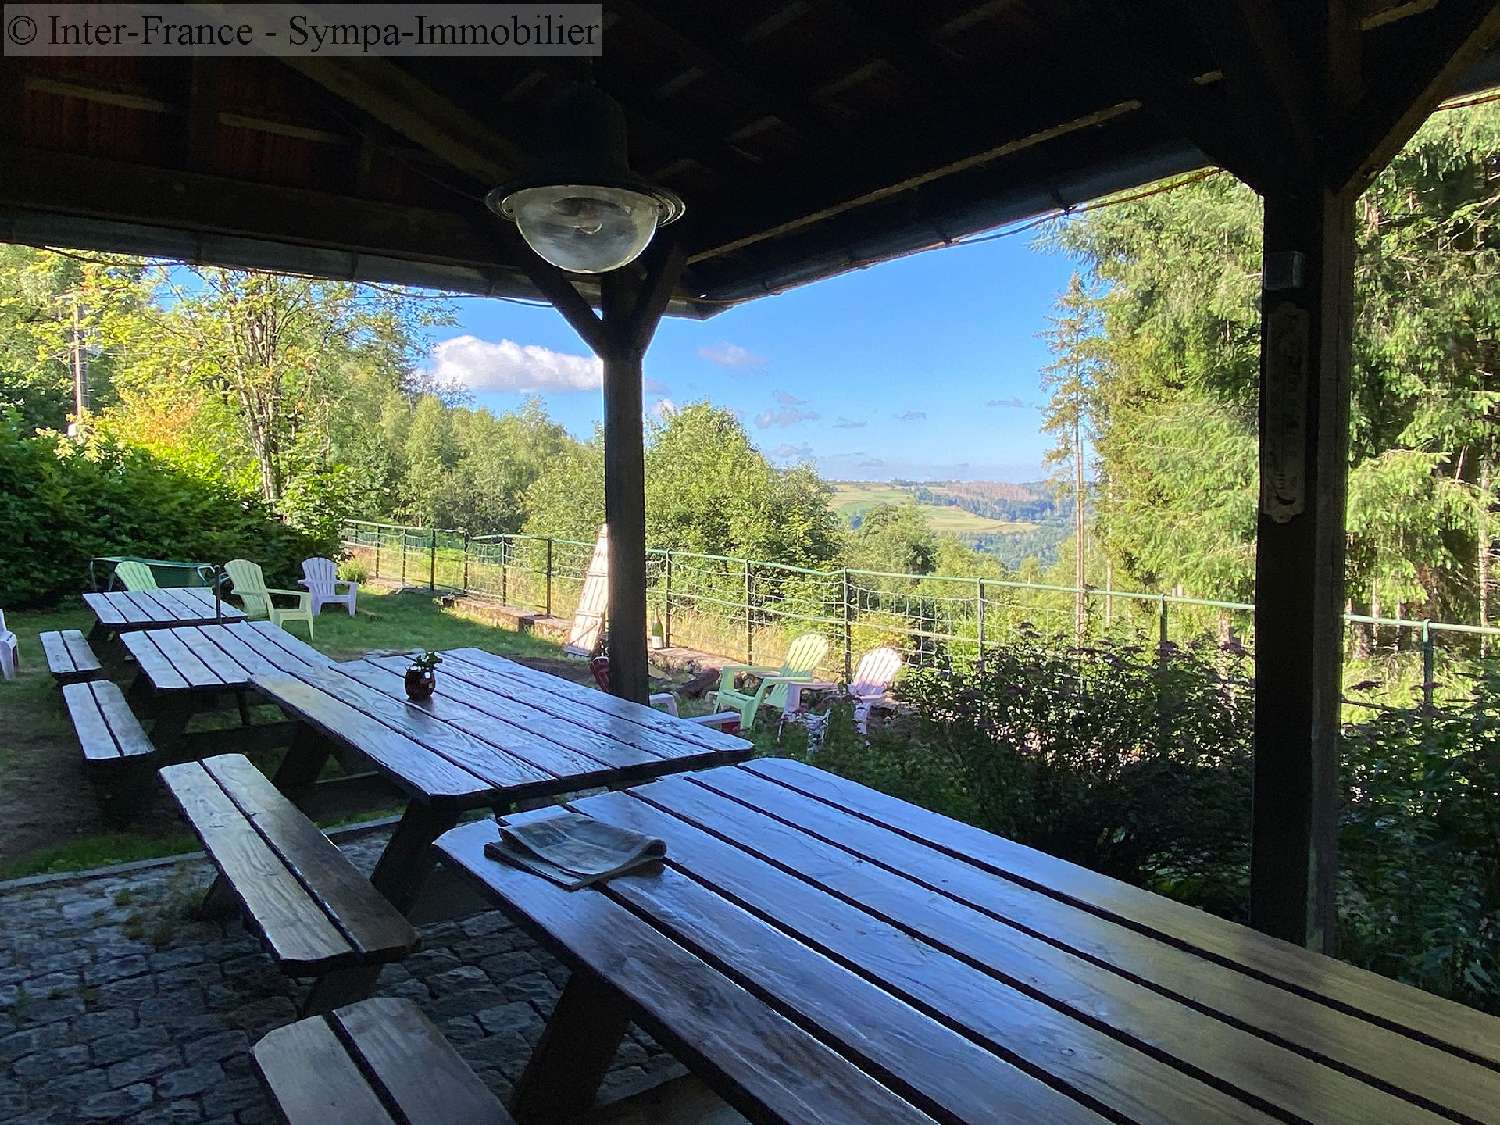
1307, 310
625, 492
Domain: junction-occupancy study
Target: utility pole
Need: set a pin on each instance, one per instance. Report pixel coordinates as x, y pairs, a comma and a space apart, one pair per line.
1080, 578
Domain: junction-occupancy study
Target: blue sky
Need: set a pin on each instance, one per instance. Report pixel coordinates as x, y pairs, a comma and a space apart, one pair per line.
923, 368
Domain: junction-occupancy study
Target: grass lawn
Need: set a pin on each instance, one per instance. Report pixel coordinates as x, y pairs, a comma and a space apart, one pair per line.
852, 499
49, 818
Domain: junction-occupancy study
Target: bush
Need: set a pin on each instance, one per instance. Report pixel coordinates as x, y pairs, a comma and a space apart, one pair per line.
63, 505
352, 570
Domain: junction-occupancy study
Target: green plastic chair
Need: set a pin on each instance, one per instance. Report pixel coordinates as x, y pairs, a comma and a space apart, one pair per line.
135, 576
799, 667
250, 587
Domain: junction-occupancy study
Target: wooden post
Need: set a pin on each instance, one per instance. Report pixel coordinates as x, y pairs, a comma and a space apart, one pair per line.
432, 559
632, 301
666, 638
749, 620
848, 630
1307, 309
979, 624
466, 563
549, 576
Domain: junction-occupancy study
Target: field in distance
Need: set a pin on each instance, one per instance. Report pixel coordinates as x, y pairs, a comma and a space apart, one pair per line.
853, 499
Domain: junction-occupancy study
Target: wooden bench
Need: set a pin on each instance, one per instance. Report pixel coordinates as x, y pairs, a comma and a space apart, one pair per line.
377, 1062
107, 730
69, 657
316, 914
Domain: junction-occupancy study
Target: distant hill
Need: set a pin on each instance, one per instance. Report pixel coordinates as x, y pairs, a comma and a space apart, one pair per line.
1011, 521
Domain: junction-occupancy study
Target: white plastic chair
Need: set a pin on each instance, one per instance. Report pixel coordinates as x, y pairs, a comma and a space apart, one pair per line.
10, 652
320, 576
872, 679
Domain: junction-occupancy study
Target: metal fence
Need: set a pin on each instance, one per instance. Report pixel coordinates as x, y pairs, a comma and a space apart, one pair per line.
752, 610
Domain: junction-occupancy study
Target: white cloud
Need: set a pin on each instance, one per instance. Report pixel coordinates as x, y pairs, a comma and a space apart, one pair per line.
482, 365
663, 409
1008, 403
790, 414
788, 452
911, 416
654, 386
849, 424
726, 354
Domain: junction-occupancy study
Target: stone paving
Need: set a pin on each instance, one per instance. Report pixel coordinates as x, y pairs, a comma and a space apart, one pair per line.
116, 1006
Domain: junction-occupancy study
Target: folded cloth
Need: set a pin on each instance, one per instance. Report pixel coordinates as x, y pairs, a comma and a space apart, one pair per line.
573, 849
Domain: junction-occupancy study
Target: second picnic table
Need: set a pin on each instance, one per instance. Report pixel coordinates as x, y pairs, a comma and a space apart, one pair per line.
126, 611
495, 732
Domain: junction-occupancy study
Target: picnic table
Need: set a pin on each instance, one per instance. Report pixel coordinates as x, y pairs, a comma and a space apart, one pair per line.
126, 611
818, 951
188, 669
495, 732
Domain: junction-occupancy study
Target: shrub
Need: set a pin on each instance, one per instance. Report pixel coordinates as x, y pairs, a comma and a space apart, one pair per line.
352, 570
63, 505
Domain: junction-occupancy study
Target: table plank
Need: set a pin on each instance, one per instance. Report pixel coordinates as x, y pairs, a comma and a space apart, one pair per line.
152, 662
1372, 1055
1407, 1011
1195, 1042
126, 610
186, 662
313, 1078
277, 644
935, 1067
575, 738
424, 725
729, 1036
602, 702
423, 775
468, 713
199, 641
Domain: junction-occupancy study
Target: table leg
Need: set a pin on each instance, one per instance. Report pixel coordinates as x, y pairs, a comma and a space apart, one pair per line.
303, 762
408, 857
579, 1042
172, 715
243, 703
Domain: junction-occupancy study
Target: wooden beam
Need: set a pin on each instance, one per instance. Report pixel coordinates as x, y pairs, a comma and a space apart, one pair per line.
412, 109
200, 138
46, 181
663, 263
1436, 50
559, 289
1307, 315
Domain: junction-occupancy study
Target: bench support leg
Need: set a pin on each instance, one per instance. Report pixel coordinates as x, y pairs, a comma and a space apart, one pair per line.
243, 702
172, 716
219, 903
570, 1061
338, 987
408, 857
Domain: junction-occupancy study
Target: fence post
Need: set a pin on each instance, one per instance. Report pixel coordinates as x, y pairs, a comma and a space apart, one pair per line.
1429, 662
403, 558
504, 570
466, 562
377, 552
1161, 628
979, 619
432, 559
549, 576
666, 606
749, 620
848, 629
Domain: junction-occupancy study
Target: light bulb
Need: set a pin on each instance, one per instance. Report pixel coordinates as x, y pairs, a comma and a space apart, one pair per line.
584, 228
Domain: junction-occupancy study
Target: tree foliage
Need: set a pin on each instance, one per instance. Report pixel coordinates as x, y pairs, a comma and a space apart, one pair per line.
1168, 374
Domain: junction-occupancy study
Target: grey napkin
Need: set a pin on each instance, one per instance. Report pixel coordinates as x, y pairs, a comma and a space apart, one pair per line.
573, 849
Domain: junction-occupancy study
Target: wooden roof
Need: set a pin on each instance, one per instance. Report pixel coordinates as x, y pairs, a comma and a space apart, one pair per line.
807, 137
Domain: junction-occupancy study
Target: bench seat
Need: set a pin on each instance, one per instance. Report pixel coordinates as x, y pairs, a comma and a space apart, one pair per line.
315, 913
377, 1062
107, 730
69, 657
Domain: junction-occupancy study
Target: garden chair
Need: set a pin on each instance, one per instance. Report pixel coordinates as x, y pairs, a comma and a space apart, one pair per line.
877, 670
10, 651
134, 576
799, 667
321, 578
250, 587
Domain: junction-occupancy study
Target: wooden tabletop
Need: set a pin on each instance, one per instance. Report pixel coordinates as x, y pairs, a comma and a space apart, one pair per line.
210, 658
124, 611
818, 951
494, 731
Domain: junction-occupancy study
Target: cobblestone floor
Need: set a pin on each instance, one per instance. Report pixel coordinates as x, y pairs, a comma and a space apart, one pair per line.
115, 1006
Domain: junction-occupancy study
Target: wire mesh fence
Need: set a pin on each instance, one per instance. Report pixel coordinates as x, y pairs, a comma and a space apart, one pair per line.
751, 610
